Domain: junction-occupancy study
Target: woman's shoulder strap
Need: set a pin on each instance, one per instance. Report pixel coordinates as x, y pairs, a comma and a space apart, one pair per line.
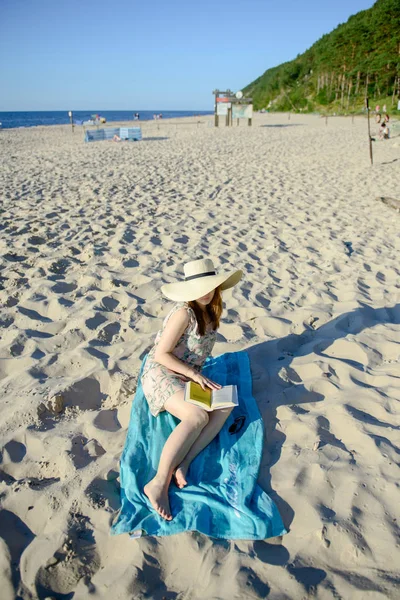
177, 306
191, 313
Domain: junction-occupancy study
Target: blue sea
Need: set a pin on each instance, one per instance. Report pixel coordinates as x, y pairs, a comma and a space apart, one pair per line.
60, 117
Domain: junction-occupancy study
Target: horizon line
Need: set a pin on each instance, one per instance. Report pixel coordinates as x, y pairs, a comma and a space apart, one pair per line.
114, 110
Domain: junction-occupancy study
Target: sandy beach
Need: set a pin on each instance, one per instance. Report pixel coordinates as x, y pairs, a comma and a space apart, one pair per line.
88, 234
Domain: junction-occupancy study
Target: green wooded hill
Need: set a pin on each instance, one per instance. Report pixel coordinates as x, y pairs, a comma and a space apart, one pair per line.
358, 58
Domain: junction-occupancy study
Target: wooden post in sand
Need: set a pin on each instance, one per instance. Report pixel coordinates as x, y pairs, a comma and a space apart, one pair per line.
71, 117
369, 131
216, 118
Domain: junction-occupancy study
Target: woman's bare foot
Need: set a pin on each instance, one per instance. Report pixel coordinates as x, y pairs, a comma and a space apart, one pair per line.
180, 475
157, 493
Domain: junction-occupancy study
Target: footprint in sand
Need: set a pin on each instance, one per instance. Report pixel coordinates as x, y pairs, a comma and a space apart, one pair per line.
85, 394
107, 334
60, 266
74, 560
182, 240
13, 257
108, 303
247, 579
17, 536
84, 451
105, 492
131, 263
61, 287
107, 420
36, 240
96, 321
16, 451
309, 577
6, 322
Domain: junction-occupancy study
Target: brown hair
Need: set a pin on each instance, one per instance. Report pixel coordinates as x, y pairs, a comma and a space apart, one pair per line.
213, 310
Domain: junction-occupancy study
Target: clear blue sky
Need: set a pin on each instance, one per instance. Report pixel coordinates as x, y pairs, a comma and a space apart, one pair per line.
150, 55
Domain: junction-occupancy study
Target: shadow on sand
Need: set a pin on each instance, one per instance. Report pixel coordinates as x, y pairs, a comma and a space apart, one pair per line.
154, 139
285, 125
268, 361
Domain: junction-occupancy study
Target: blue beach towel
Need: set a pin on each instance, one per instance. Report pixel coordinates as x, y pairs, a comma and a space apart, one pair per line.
222, 498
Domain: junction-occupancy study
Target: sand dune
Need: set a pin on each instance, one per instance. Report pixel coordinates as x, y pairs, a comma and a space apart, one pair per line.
88, 234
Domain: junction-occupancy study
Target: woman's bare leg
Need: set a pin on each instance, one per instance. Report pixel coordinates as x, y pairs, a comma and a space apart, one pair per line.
193, 420
214, 426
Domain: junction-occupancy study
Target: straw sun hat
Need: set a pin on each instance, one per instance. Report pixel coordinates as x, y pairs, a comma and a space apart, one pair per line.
200, 279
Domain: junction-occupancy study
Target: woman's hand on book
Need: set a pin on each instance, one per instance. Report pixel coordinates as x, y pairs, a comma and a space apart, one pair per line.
204, 381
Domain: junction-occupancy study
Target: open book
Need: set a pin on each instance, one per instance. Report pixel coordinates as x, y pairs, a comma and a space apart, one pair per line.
225, 397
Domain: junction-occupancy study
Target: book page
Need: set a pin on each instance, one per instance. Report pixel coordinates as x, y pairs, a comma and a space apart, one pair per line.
197, 393
226, 395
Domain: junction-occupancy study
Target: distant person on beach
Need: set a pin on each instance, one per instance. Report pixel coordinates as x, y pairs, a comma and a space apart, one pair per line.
180, 349
378, 122
387, 118
116, 138
384, 132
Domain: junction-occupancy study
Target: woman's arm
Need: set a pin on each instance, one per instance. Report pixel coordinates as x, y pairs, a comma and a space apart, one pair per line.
173, 331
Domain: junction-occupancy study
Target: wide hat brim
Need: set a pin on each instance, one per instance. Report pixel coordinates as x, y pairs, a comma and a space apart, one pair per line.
187, 291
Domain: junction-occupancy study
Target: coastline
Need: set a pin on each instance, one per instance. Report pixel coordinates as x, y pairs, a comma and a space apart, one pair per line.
85, 115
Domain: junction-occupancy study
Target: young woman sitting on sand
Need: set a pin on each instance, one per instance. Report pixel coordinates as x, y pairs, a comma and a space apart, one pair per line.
179, 352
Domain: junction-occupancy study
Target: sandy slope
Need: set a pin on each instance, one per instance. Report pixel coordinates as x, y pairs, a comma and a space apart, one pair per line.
89, 232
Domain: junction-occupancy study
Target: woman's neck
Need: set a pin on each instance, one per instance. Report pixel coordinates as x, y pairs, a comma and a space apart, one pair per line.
202, 308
